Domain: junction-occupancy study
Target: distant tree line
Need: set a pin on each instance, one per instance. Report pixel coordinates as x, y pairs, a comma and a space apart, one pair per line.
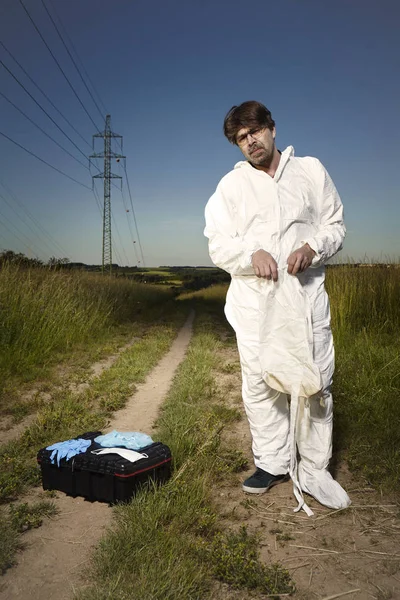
17, 258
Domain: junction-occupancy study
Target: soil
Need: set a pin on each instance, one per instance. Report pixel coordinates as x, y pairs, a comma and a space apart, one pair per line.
50, 566
327, 555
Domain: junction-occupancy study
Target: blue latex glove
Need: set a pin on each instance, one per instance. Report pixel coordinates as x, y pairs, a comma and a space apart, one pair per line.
68, 449
133, 440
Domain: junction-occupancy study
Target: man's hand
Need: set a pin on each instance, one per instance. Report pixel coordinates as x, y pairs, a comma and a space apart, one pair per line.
264, 265
300, 259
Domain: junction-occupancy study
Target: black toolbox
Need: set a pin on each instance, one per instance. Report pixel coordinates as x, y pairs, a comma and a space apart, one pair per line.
107, 477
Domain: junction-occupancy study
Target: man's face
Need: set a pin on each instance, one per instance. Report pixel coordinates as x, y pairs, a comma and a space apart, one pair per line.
257, 145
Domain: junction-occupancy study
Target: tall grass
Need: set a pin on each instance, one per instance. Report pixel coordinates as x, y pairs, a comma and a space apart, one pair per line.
365, 304
46, 313
364, 298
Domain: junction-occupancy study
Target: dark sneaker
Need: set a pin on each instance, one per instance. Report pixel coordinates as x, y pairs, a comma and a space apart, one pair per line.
261, 481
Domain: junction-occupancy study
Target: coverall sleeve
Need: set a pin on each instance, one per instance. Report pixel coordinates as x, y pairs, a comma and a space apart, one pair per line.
228, 250
331, 229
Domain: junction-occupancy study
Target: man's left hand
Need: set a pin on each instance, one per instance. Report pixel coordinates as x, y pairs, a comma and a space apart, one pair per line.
300, 259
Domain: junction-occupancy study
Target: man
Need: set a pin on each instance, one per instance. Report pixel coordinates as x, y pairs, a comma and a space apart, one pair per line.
276, 212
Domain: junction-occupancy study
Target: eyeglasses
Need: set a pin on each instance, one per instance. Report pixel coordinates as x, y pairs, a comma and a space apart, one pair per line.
254, 133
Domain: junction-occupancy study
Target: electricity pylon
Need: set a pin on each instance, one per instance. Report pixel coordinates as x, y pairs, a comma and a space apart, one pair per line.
107, 175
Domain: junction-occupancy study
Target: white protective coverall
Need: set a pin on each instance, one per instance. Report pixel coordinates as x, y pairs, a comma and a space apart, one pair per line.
251, 210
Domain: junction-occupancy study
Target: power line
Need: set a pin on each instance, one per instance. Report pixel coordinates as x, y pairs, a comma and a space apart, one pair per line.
78, 57
134, 216
32, 218
41, 108
32, 245
45, 111
72, 58
44, 161
44, 93
120, 239
42, 130
114, 245
15, 235
54, 122
129, 225
19, 217
57, 63
96, 197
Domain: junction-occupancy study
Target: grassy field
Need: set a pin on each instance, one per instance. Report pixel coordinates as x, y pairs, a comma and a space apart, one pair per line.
48, 315
365, 304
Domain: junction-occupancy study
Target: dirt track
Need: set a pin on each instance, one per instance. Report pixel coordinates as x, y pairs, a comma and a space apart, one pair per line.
50, 565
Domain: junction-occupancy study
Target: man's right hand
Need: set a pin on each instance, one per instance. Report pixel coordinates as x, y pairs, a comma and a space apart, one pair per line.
264, 265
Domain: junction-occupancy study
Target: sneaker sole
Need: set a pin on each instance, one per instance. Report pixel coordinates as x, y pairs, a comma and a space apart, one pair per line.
251, 490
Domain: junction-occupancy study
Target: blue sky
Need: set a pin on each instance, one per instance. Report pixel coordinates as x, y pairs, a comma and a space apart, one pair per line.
168, 72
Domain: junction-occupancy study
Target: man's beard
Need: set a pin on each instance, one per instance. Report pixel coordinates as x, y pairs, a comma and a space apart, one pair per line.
263, 158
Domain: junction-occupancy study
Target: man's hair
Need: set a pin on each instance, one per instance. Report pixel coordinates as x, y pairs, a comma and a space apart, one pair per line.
250, 114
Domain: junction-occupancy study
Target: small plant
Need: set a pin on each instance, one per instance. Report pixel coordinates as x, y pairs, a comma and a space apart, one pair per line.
231, 460
205, 523
50, 493
234, 558
25, 516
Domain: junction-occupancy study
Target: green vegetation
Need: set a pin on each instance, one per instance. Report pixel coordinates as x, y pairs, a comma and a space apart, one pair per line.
234, 557
29, 516
365, 303
166, 543
182, 278
46, 314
